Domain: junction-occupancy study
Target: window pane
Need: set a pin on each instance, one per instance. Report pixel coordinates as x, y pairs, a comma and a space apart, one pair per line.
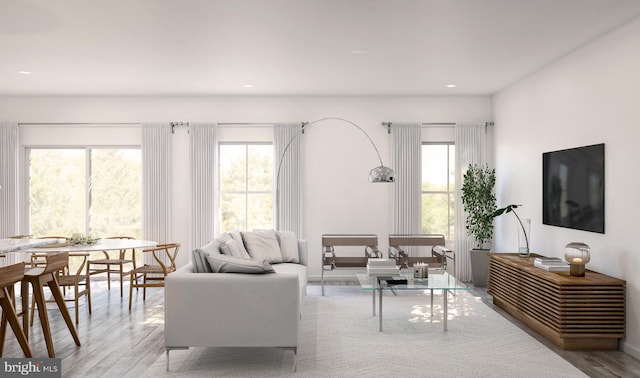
434, 167
57, 200
116, 192
246, 186
435, 213
261, 211
233, 212
260, 158
438, 185
233, 164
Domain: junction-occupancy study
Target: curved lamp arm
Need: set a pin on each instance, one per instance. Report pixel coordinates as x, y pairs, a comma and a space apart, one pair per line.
376, 175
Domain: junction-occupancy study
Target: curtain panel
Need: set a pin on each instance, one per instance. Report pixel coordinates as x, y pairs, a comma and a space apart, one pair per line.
406, 162
470, 141
8, 179
156, 184
203, 157
287, 177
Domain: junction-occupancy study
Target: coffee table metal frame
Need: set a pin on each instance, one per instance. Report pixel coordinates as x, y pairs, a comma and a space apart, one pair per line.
440, 281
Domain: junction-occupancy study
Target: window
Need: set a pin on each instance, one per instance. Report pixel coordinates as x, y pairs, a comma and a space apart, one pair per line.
438, 187
246, 186
85, 190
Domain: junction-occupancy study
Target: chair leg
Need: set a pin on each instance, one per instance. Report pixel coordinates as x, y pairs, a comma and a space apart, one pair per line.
121, 280
75, 300
32, 311
57, 295
108, 276
9, 315
130, 290
88, 290
38, 294
3, 329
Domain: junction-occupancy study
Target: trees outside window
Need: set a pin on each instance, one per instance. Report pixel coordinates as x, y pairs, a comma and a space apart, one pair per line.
92, 191
246, 186
438, 189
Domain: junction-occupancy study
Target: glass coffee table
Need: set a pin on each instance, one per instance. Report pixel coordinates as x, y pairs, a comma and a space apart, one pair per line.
436, 281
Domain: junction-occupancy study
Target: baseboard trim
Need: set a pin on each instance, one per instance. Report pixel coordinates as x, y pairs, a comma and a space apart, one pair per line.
631, 350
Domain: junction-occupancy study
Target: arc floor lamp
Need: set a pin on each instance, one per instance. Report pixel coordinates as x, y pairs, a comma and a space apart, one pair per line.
378, 174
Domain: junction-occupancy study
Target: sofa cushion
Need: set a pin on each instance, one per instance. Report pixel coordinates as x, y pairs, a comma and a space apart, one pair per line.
237, 236
230, 264
263, 245
298, 269
233, 248
288, 246
200, 263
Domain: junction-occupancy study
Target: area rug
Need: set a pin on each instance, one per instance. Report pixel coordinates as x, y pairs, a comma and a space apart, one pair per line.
339, 338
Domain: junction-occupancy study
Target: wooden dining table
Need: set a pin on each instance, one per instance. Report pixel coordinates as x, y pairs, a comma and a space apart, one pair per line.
61, 245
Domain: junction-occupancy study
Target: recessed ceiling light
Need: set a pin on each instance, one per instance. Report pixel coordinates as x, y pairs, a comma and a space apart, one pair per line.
248, 85
451, 85
359, 51
25, 72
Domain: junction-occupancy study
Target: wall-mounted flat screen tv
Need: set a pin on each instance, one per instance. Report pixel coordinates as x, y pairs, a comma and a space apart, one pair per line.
573, 188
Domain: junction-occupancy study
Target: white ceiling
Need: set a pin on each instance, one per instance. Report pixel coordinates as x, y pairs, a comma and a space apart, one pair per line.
290, 47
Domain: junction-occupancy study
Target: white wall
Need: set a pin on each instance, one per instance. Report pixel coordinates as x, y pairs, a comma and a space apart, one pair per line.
337, 157
590, 96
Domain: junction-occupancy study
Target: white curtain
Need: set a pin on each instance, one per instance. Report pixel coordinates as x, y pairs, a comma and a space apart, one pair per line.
156, 184
406, 162
288, 198
470, 143
203, 150
8, 179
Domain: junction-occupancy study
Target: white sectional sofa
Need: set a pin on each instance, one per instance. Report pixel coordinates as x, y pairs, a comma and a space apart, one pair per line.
207, 309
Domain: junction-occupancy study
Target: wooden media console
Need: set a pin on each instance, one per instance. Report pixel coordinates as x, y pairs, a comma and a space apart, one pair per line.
575, 313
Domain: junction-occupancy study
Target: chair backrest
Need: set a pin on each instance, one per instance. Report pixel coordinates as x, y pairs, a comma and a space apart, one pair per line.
169, 251
19, 236
398, 240
414, 242
123, 252
79, 264
11, 274
56, 262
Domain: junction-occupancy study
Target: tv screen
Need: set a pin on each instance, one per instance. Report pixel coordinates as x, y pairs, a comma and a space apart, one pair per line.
573, 188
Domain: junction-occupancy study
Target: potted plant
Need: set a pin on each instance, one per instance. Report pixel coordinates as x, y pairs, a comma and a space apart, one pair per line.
479, 202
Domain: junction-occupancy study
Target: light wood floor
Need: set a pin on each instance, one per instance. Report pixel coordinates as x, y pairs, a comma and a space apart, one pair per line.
596, 364
119, 343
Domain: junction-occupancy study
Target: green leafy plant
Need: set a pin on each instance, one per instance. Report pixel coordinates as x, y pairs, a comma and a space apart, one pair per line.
511, 209
479, 202
78, 238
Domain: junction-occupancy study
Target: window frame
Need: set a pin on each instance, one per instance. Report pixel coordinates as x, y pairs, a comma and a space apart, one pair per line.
25, 182
246, 192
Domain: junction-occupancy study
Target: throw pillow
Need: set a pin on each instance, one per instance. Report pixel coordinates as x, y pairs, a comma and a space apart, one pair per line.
288, 246
225, 237
232, 248
200, 255
229, 264
263, 246
237, 236
198, 261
